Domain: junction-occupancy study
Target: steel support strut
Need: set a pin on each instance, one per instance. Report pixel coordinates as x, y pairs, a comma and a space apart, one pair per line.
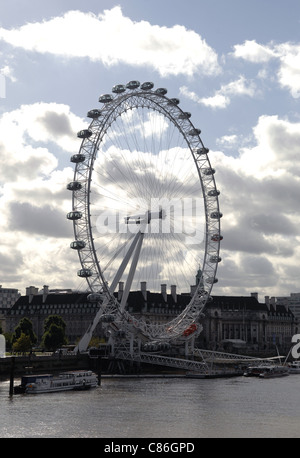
134, 249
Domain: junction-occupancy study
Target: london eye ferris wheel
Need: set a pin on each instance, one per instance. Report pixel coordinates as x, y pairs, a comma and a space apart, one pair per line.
145, 208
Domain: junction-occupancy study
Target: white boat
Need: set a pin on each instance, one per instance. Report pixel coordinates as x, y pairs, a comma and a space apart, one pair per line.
65, 381
255, 371
274, 371
294, 367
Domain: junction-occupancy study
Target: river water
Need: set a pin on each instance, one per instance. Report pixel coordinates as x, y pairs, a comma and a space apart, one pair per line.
158, 408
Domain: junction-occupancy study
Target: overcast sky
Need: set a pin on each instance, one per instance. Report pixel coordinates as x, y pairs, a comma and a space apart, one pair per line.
234, 64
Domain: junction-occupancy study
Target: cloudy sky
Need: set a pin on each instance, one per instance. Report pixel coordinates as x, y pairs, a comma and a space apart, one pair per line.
234, 64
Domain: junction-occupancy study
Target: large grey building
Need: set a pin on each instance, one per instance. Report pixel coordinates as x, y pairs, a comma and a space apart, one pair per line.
229, 322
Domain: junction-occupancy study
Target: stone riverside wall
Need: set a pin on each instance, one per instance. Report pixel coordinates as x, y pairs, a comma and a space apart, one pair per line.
41, 364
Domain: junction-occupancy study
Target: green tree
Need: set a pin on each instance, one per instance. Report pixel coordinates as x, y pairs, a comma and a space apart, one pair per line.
54, 332
54, 337
54, 319
22, 344
25, 327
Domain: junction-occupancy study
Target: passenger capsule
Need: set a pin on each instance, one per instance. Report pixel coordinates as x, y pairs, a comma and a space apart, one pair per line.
107, 318
216, 237
201, 151
133, 85
84, 273
213, 193
74, 215
85, 133
174, 101
119, 88
215, 259
211, 280
147, 86
209, 171
194, 132
77, 245
185, 115
76, 158
95, 297
105, 98
74, 186
161, 91
94, 114
216, 215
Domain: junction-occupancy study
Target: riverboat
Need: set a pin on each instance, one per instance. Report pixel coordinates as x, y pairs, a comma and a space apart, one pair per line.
275, 371
294, 367
65, 381
255, 371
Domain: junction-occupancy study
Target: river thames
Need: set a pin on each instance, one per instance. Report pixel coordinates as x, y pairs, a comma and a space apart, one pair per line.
158, 408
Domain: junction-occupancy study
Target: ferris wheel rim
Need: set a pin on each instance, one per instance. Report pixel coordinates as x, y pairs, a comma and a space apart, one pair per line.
91, 138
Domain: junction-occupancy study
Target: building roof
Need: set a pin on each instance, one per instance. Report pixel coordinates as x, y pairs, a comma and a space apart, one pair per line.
136, 302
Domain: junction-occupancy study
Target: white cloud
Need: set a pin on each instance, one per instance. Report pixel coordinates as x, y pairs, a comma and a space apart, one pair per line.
222, 97
253, 52
289, 72
287, 54
259, 200
7, 72
227, 140
33, 195
113, 38
26, 133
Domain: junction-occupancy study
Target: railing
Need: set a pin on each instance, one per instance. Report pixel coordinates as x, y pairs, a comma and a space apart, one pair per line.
167, 361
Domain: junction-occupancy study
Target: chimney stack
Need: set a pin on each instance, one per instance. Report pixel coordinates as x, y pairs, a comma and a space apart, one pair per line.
144, 289
164, 291
45, 293
31, 291
173, 293
267, 301
255, 295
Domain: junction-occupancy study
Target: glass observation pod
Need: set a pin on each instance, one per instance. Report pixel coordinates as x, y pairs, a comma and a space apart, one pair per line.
213, 193
216, 237
201, 151
74, 215
133, 84
107, 318
208, 172
211, 280
118, 89
94, 114
74, 186
185, 115
174, 101
85, 133
147, 86
84, 273
105, 98
76, 158
77, 245
216, 215
194, 132
161, 91
215, 259
94, 297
